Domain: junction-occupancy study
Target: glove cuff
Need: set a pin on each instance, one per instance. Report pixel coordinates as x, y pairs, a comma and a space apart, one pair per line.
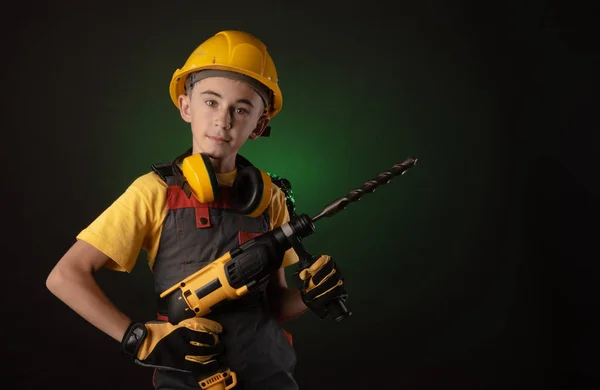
130, 344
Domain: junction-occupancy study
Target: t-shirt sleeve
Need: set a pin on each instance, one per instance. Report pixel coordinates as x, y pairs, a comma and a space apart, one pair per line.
131, 223
279, 215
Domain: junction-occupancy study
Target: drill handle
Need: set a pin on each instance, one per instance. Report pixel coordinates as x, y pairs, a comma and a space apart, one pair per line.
336, 308
306, 259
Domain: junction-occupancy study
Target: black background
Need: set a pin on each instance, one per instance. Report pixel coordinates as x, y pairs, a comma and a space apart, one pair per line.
541, 60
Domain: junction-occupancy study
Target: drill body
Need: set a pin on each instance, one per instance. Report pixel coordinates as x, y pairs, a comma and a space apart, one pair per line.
234, 274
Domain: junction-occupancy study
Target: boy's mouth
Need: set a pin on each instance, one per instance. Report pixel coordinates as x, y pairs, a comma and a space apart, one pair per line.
218, 140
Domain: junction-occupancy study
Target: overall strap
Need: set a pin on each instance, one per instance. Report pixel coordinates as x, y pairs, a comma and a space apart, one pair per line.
169, 172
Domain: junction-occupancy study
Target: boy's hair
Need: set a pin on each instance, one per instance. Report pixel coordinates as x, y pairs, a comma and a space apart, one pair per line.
263, 91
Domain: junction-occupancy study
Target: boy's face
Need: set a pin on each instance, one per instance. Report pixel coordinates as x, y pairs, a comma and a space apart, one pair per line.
223, 114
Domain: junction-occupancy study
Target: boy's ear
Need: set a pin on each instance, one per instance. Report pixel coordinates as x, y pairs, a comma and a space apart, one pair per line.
261, 125
184, 107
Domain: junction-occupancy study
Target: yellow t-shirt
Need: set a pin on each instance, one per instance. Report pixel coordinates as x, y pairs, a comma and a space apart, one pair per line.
134, 221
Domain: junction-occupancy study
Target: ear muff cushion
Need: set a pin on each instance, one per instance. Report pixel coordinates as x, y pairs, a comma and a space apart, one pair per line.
201, 177
251, 191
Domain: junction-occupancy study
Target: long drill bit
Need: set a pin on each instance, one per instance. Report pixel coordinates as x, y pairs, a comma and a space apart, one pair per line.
369, 186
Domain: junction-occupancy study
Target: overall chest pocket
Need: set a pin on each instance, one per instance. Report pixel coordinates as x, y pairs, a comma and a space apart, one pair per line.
221, 229
239, 227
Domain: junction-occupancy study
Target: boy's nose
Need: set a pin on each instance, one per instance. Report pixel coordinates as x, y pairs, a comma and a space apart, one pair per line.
224, 120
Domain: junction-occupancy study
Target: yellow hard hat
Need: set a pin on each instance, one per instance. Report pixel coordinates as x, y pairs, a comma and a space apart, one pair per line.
233, 51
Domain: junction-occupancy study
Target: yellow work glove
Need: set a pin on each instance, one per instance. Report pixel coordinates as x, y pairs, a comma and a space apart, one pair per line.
321, 284
190, 346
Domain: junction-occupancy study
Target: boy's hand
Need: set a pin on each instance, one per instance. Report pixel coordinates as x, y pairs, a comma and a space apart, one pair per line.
322, 283
190, 346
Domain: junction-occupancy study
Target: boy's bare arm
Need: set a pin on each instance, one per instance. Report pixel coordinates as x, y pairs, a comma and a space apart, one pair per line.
72, 281
286, 302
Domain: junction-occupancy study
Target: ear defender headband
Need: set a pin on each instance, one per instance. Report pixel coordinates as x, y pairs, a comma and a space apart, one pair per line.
251, 189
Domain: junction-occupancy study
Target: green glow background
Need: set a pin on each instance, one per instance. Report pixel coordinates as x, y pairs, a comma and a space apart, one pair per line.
441, 264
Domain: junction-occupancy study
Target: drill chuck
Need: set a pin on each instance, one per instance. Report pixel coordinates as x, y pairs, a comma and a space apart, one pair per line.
301, 226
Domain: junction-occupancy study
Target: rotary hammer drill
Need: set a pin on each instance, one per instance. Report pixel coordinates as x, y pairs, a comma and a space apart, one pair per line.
249, 265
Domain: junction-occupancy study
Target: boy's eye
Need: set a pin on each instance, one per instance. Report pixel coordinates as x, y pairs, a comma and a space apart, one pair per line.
210, 102
240, 110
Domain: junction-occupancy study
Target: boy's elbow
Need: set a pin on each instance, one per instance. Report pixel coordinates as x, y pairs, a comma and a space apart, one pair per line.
54, 280
75, 266
60, 277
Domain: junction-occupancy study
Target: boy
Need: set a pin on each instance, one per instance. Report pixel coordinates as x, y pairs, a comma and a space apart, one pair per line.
227, 90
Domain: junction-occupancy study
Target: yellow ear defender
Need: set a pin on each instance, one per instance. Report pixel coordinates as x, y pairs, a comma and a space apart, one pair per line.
250, 192
199, 176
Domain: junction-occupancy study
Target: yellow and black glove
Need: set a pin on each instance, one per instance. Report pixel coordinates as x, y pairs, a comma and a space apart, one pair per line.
321, 284
190, 346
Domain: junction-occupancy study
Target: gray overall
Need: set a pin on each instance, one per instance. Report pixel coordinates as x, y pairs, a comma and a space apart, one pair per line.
193, 235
